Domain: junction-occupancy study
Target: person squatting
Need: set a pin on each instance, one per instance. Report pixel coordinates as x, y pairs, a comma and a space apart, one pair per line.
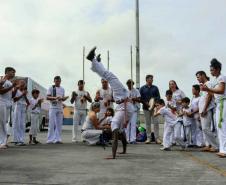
196, 122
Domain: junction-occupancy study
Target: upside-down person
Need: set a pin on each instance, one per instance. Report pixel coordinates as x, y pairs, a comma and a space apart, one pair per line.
124, 108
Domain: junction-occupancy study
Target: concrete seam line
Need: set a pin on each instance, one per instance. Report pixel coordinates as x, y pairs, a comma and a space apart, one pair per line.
213, 167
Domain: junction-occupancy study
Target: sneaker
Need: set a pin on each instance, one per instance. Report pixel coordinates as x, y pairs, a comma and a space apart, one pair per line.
158, 141
165, 149
148, 141
58, 142
205, 149
3, 147
213, 150
133, 142
74, 141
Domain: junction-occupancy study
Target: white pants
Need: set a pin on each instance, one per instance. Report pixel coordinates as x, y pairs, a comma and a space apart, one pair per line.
91, 136
131, 128
3, 120
78, 119
55, 125
209, 136
178, 128
196, 132
119, 92
35, 119
19, 119
9, 122
221, 131
149, 120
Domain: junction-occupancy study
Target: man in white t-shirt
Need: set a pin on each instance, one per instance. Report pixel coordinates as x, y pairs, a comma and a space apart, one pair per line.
206, 111
80, 99
56, 95
6, 87
105, 97
134, 97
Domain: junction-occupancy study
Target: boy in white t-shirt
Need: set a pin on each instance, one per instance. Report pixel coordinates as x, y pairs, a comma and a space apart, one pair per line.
35, 105
170, 122
19, 115
56, 95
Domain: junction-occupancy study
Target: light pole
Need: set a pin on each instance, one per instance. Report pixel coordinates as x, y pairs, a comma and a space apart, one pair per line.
137, 46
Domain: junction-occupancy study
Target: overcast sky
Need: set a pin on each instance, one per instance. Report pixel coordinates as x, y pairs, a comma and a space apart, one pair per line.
44, 38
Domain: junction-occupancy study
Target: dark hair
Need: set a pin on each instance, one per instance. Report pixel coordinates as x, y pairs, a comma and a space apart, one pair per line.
196, 87
169, 92
95, 105
160, 101
214, 63
57, 78
111, 110
185, 100
81, 82
35, 91
130, 81
148, 76
175, 83
8, 69
201, 73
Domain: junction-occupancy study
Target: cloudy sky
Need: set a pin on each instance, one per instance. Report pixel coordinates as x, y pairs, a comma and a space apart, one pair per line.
44, 38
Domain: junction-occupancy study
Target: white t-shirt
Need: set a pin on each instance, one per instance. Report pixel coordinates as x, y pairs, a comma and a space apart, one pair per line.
59, 93
203, 97
171, 103
80, 102
169, 117
33, 102
7, 97
134, 93
195, 106
107, 120
22, 100
178, 95
220, 79
106, 95
187, 120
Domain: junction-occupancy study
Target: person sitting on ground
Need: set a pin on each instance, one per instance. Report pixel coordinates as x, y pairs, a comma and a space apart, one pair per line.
92, 130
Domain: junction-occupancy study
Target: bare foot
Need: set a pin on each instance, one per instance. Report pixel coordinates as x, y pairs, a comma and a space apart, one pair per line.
221, 155
121, 152
109, 158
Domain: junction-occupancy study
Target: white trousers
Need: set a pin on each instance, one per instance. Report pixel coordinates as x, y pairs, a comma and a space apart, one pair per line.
3, 120
91, 136
179, 136
196, 132
119, 92
131, 128
19, 119
221, 131
55, 125
35, 119
210, 138
149, 120
78, 119
173, 129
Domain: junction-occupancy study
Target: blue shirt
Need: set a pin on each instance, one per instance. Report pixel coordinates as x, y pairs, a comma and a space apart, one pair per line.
148, 92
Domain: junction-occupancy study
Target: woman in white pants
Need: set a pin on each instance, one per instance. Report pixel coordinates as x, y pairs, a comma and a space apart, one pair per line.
219, 92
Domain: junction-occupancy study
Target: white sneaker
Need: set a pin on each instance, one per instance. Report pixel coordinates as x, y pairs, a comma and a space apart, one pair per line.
148, 141
74, 141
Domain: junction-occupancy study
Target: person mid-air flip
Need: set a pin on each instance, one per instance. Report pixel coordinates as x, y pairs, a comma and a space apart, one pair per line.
124, 108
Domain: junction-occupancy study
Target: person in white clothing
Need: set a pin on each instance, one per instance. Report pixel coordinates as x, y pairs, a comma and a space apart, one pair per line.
134, 97
124, 108
56, 95
206, 111
35, 106
196, 129
219, 92
178, 94
6, 88
105, 97
92, 130
19, 115
80, 99
170, 119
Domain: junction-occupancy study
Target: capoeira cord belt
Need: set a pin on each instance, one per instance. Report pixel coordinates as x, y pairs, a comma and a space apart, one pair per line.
221, 111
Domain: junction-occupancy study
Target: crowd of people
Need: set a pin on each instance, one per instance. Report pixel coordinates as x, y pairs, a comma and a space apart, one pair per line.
199, 121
